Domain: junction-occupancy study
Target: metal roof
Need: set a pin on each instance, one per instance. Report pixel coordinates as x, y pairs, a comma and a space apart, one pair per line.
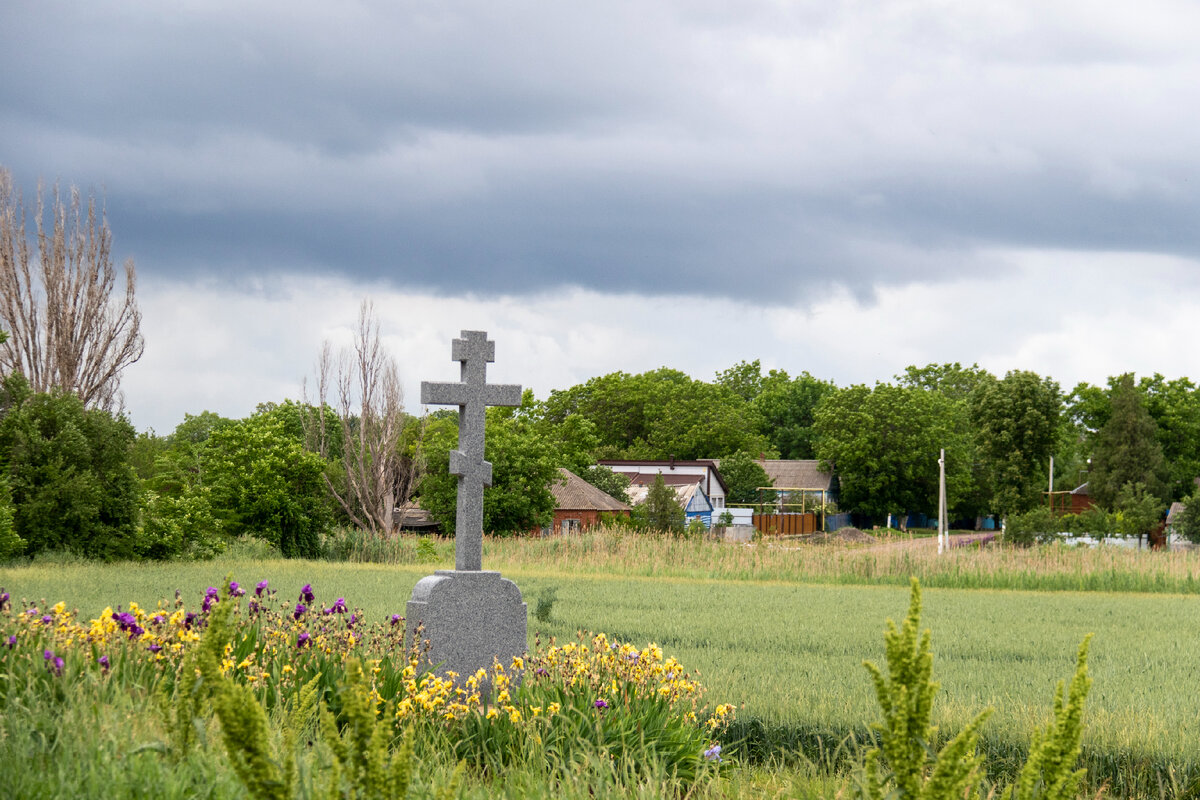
573, 493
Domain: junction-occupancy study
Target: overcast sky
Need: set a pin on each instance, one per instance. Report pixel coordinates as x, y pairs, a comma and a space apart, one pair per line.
840, 187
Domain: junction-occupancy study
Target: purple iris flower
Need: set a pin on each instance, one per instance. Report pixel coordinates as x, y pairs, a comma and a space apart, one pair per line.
339, 606
47, 654
253, 606
154, 648
12, 641
260, 588
601, 704
32, 612
56, 666
235, 590
396, 619
211, 596
188, 619
103, 662
713, 753
303, 640
47, 619
299, 612
352, 621
306, 593
3, 598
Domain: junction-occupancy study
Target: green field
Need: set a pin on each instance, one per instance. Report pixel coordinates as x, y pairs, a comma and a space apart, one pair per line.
791, 653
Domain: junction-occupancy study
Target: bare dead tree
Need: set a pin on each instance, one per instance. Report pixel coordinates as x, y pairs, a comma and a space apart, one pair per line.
67, 329
379, 477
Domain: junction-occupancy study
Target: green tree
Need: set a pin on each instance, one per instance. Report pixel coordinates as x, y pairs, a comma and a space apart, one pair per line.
1019, 419
264, 483
523, 462
1138, 511
68, 470
1126, 449
970, 493
663, 512
1175, 408
743, 379
660, 414
787, 408
953, 381
743, 476
883, 444
611, 483
1187, 523
10, 543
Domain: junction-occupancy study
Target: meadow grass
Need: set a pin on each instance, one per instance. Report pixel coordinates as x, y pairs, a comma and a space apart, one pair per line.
616, 550
1046, 568
790, 653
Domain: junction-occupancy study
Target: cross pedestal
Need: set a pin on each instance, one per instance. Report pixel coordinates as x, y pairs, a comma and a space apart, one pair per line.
468, 615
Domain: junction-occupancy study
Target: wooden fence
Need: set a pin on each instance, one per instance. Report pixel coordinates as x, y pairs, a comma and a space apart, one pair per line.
785, 524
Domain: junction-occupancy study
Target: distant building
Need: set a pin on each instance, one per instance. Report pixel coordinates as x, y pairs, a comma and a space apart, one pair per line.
1081, 499
704, 472
689, 493
578, 505
802, 474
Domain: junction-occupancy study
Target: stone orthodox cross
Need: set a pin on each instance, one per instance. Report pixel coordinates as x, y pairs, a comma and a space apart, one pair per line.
473, 394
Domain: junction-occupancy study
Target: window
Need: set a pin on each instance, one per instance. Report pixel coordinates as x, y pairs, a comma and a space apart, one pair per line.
571, 526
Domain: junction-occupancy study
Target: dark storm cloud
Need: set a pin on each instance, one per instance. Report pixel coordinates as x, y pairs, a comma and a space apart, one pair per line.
738, 149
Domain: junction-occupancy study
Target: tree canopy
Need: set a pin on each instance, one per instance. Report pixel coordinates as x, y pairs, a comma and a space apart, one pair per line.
884, 443
1127, 449
1018, 419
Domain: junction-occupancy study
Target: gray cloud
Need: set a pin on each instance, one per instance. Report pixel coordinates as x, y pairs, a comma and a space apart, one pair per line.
742, 149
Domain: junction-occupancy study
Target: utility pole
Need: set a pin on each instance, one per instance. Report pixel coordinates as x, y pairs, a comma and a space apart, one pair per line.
942, 503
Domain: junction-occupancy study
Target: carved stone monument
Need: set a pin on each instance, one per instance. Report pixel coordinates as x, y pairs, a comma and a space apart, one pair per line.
470, 616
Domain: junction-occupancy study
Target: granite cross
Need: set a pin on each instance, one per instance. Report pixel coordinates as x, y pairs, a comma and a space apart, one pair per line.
473, 394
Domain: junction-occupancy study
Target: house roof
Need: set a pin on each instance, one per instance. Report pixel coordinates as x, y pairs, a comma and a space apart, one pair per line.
712, 464
647, 478
576, 494
684, 492
1081, 489
797, 473
1174, 512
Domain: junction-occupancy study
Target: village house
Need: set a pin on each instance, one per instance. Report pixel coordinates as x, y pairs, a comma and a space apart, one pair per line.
578, 505
703, 473
688, 493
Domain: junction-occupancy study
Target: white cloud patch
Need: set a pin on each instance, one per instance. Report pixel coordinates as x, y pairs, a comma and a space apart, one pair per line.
1072, 316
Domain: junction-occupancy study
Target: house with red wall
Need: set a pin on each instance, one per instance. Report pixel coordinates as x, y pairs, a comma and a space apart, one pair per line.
578, 505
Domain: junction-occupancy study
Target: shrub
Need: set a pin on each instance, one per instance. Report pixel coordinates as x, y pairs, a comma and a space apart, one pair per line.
1036, 526
182, 526
10, 544
68, 471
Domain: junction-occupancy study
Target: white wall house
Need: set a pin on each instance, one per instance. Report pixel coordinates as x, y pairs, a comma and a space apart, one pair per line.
676, 473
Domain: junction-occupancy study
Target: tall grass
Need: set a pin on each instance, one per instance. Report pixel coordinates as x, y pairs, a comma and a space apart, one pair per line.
1043, 568
606, 551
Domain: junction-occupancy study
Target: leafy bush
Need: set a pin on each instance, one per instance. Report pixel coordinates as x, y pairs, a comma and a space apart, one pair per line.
1032, 527
182, 526
266, 484
68, 470
10, 544
1187, 523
